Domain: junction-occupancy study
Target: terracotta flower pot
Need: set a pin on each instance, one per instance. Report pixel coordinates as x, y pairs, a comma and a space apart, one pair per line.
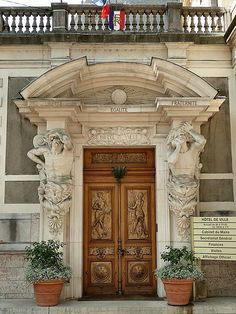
47, 293
178, 291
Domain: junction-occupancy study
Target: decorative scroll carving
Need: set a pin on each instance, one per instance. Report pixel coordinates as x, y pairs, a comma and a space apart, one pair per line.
138, 251
184, 146
118, 136
55, 187
101, 272
101, 253
115, 158
138, 272
101, 215
137, 214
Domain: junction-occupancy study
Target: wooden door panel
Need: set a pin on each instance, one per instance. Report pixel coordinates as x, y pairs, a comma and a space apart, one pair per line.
100, 263
138, 234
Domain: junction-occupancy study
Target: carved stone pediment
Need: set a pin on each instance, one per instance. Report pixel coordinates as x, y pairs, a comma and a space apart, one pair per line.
161, 89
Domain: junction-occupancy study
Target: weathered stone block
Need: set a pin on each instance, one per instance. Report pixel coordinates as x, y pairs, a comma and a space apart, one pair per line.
21, 192
20, 132
216, 157
12, 260
220, 277
216, 190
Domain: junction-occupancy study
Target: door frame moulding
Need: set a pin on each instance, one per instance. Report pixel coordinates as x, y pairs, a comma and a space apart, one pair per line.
76, 214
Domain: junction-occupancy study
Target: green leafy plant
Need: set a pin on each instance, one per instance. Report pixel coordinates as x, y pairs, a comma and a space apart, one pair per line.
119, 172
181, 264
45, 262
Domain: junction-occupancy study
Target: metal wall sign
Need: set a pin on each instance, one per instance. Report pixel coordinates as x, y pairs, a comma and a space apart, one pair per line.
214, 238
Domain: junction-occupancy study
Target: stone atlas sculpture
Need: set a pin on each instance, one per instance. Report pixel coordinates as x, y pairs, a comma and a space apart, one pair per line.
55, 189
184, 146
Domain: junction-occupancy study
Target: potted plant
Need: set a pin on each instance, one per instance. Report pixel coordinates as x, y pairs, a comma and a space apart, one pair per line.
178, 274
46, 270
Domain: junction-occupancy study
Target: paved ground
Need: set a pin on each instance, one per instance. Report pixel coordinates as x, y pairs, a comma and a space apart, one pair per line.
209, 306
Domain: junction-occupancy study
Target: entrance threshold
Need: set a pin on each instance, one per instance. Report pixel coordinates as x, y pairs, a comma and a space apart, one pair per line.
121, 298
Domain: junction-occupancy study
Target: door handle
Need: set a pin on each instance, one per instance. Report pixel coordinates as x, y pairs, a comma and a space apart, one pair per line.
121, 252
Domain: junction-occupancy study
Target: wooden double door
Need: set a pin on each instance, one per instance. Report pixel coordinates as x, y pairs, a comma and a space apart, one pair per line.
119, 223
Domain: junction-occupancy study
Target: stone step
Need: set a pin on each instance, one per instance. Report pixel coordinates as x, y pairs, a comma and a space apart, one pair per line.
209, 306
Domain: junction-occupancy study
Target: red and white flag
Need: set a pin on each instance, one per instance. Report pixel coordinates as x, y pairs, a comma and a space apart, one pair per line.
105, 10
118, 20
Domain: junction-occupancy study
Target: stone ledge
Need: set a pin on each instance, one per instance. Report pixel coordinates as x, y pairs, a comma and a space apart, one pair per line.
112, 37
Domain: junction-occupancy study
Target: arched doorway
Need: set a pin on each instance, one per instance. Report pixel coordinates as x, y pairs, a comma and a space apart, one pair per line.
134, 107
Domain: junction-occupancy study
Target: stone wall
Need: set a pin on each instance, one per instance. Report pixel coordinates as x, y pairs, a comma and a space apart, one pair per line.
220, 278
13, 284
220, 275
216, 157
20, 132
16, 231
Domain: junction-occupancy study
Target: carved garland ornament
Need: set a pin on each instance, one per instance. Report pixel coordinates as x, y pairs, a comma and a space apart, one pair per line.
139, 252
101, 253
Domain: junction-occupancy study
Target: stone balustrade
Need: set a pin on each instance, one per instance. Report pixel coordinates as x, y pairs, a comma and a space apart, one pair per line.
202, 20
61, 17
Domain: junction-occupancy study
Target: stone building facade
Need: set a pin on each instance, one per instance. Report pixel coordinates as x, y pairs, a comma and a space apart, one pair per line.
117, 95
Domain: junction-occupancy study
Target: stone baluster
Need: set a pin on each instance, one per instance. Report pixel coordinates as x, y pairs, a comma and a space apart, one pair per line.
27, 23
150, 22
86, 20
102, 22
149, 19
213, 23
161, 23
154, 20
199, 22
72, 20
6, 26
48, 23
219, 22
135, 20
185, 21
92, 20
1, 22
79, 20
83, 20
206, 23
13, 24
34, 24
129, 21
20, 23
125, 16
41, 24
142, 21
192, 24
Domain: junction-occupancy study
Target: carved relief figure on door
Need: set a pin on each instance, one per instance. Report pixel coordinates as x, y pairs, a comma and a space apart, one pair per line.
137, 213
101, 215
